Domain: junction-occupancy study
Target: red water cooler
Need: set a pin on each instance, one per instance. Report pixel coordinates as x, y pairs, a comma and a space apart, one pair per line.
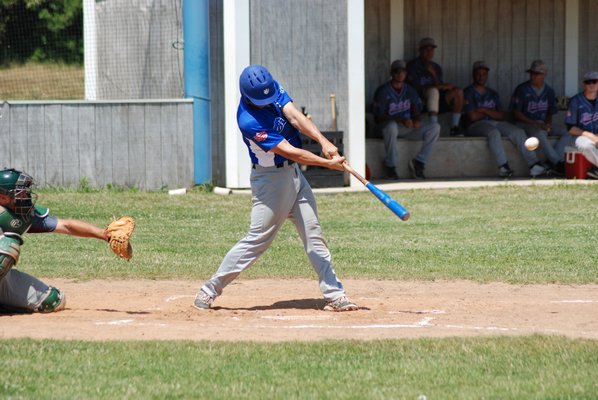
576, 165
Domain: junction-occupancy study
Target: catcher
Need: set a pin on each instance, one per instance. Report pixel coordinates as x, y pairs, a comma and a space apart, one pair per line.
21, 292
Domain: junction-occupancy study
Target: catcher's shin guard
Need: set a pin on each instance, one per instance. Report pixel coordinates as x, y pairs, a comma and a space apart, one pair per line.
54, 301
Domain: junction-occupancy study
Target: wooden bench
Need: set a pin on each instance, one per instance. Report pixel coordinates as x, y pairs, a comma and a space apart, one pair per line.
452, 157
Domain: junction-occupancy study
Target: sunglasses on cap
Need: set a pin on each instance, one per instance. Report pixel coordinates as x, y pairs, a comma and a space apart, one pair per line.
590, 81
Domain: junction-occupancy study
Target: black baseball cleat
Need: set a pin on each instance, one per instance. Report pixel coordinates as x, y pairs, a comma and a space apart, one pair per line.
391, 173
417, 169
556, 170
456, 131
593, 173
504, 171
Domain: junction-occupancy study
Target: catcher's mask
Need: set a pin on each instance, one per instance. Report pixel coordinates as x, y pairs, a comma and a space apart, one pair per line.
18, 186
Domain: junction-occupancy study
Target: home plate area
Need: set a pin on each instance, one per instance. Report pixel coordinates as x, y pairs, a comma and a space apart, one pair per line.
287, 310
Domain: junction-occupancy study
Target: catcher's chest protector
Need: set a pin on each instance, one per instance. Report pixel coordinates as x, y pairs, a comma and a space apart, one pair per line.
11, 222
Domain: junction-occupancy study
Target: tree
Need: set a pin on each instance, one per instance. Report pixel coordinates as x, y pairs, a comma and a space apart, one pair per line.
41, 30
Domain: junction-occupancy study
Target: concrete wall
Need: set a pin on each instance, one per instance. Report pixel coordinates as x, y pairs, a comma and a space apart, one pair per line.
147, 145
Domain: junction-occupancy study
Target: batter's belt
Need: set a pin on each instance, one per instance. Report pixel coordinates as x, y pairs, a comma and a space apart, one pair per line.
286, 163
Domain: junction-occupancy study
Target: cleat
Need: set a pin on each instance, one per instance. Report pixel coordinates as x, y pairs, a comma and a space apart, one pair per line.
505, 172
537, 170
417, 169
593, 173
203, 301
340, 304
391, 173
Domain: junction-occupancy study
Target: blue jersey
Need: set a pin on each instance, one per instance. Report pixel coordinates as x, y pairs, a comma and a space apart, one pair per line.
582, 114
419, 76
264, 128
404, 104
473, 100
532, 105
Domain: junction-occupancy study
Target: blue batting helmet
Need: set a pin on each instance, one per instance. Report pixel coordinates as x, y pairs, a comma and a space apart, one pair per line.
258, 86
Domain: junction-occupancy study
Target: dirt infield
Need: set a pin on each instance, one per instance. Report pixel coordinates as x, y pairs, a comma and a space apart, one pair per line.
275, 310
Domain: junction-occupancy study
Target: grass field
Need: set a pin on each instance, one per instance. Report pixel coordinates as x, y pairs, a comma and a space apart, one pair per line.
42, 82
508, 234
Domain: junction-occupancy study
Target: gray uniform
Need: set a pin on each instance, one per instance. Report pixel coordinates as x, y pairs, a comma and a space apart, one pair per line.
278, 194
495, 130
279, 191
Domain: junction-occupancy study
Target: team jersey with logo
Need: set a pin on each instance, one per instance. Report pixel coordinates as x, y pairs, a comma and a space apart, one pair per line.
404, 104
38, 220
473, 100
582, 114
532, 105
419, 76
264, 128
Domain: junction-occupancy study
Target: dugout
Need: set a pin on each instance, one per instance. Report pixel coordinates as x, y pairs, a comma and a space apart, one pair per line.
315, 47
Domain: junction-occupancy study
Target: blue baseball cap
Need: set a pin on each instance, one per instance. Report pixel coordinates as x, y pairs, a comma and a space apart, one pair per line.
258, 86
590, 76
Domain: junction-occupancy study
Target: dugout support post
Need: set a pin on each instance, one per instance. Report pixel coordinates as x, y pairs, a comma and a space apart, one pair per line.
196, 33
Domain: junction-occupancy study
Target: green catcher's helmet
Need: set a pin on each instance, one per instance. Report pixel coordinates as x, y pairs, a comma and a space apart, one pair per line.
17, 185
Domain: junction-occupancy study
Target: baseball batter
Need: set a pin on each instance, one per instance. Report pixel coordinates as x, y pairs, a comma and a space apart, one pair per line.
19, 291
271, 126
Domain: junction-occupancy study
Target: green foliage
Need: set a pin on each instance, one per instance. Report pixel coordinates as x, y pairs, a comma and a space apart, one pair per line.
41, 30
536, 367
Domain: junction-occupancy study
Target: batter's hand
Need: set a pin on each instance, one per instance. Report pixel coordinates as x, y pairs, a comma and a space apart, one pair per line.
336, 163
329, 150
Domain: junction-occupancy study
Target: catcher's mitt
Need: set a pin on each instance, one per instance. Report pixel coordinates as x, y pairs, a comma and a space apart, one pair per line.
120, 231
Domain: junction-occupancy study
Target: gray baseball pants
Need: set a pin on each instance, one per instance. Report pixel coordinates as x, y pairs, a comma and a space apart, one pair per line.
587, 148
278, 194
21, 291
428, 133
554, 154
495, 131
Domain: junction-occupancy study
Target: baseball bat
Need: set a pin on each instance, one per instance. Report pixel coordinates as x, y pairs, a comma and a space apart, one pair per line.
333, 111
388, 201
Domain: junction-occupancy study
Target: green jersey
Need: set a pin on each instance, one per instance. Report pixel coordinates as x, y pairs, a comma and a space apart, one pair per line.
38, 220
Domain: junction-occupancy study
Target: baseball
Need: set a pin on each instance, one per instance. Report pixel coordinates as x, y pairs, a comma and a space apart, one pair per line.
532, 143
